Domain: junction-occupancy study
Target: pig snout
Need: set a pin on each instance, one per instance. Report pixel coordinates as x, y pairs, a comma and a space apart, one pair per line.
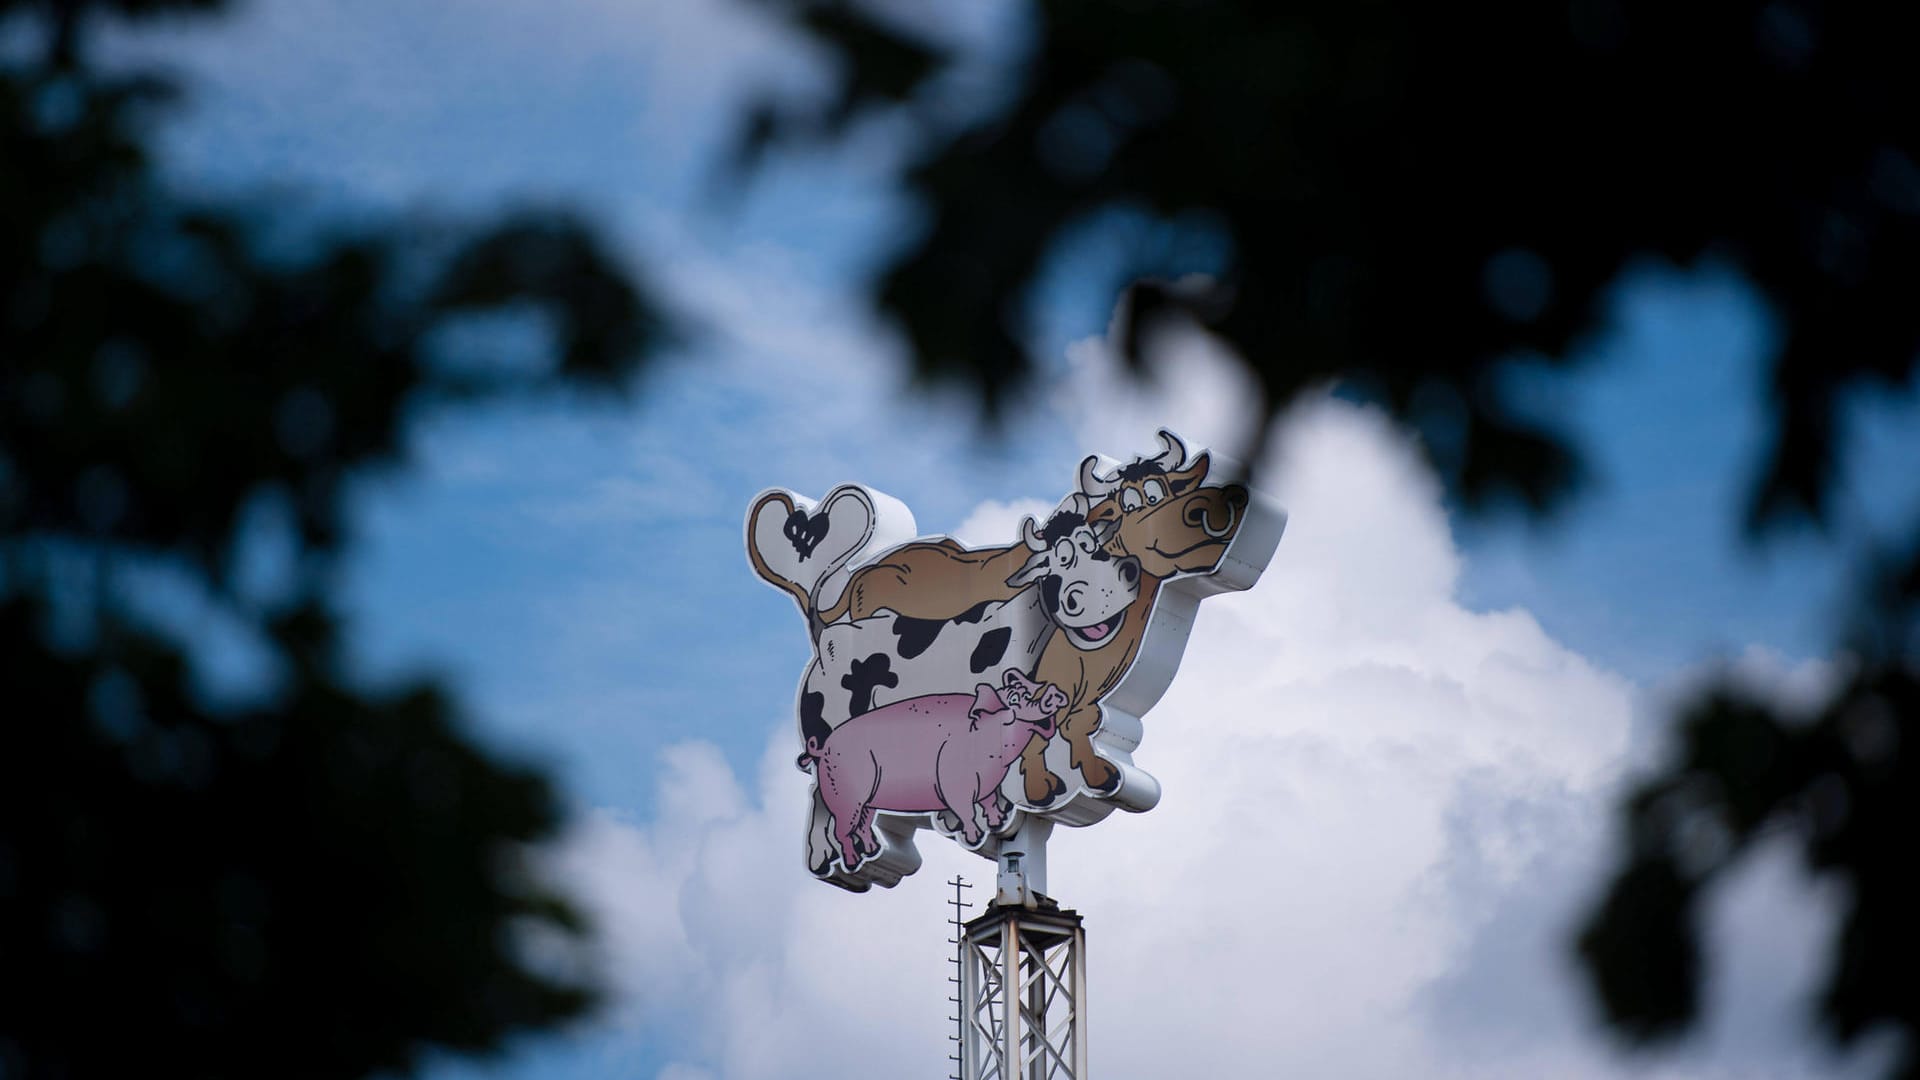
1041, 708
1053, 700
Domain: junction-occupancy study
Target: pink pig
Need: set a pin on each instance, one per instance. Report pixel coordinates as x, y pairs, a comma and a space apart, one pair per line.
922, 754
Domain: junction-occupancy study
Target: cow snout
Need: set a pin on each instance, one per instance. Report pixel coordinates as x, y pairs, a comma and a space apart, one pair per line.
1073, 598
1130, 570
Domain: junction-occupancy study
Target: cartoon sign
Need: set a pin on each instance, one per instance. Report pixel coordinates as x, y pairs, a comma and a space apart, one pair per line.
958, 688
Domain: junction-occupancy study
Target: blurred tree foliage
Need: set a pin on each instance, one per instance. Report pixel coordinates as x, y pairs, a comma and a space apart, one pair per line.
1416, 199
313, 877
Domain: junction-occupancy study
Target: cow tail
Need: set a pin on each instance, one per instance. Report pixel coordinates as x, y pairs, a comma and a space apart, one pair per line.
760, 567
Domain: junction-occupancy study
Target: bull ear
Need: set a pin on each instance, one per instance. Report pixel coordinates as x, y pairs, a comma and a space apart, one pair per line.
1034, 569
1190, 477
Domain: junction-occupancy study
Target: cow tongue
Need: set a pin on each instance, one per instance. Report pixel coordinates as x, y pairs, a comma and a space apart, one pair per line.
1097, 631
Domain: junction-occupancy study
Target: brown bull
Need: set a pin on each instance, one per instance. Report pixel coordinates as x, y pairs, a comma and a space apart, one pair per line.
1154, 510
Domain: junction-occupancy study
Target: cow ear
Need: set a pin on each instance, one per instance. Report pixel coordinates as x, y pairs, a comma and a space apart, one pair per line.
985, 700
1191, 476
1034, 569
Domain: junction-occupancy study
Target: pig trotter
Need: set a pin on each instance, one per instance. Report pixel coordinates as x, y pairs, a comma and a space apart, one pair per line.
990, 806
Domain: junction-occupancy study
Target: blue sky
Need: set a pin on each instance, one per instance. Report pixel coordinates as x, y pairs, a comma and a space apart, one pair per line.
578, 568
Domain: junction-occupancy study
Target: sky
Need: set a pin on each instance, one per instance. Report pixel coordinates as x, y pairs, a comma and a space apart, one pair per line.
1388, 768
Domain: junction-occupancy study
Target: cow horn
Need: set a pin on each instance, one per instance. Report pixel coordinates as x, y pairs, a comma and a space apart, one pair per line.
1030, 533
1092, 484
1175, 454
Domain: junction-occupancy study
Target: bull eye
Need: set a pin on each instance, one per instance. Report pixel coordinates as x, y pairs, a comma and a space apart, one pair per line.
1129, 499
1155, 491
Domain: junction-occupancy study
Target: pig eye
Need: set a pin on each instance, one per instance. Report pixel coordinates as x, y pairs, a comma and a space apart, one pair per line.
1129, 500
1155, 491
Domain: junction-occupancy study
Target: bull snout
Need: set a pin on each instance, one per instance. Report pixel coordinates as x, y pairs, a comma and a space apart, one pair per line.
1214, 511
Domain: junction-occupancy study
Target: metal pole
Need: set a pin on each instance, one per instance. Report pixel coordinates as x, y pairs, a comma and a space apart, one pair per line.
1022, 880
1009, 946
1033, 958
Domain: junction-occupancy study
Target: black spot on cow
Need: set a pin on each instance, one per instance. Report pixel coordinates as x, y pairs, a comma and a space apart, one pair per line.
862, 680
1061, 524
805, 533
915, 634
813, 725
1050, 593
992, 646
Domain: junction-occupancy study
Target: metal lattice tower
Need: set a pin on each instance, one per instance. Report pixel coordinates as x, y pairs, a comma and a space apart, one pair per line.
1024, 984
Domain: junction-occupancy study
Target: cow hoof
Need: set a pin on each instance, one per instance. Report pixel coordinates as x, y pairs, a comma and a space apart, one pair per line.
1106, 786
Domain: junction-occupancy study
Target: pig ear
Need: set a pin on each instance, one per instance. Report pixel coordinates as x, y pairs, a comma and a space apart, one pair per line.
985, 700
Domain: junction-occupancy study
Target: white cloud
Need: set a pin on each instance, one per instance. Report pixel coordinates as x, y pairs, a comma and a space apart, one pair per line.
1195, 387
994, 522
1382, 813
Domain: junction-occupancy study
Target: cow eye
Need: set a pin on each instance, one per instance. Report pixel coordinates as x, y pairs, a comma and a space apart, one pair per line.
1063, 554
1129, 499
1155, 491
1086, 541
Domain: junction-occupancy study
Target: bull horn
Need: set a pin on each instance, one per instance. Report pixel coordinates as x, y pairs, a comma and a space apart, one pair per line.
1092, 484
1030, 534
1175, 454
